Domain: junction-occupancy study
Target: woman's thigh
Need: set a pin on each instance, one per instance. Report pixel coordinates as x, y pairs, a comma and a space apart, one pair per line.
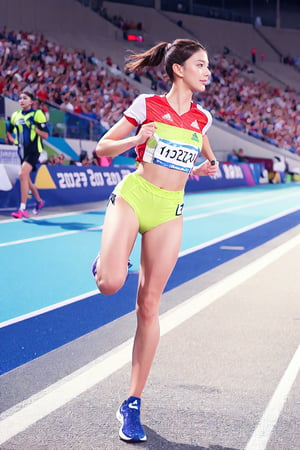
25, 168
160, 249
119, 233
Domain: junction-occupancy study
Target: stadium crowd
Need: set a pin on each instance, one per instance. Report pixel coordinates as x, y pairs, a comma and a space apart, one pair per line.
255, 107
67, 79
78, 83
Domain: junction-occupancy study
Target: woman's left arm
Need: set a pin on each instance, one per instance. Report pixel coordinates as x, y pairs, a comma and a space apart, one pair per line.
207, 150
42, 134
210, 166
40, 124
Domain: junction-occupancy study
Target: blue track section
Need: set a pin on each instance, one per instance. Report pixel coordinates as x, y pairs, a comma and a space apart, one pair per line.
31, 338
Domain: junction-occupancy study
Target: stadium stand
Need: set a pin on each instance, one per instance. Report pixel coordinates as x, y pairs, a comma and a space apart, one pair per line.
87, 32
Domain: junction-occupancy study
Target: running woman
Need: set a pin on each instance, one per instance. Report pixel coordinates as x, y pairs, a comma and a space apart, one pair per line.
171, 132
31, 127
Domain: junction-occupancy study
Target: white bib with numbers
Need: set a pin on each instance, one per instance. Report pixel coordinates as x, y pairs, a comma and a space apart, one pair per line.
172, 147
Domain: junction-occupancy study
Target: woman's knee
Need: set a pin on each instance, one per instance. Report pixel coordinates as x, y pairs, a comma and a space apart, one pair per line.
148, 307
23, 176
110, 284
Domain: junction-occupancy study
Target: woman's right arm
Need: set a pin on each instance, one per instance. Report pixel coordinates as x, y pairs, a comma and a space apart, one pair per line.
10, 137
9, 133
115, 142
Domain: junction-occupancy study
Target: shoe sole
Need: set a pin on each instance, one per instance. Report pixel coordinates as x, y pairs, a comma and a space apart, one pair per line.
122, 435
36, 212
22, 217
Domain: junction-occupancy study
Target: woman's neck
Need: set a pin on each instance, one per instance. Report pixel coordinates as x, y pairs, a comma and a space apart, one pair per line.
179, 100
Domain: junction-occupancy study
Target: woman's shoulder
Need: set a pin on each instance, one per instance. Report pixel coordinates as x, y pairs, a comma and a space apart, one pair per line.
200, 109
39, 114
144, 97
141, 101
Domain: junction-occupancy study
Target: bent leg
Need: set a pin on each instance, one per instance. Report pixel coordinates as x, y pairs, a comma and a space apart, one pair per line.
119, 233
24, 175
34, 190
160, 248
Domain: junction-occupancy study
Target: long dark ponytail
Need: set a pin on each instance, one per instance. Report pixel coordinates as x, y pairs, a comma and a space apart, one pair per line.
176, 52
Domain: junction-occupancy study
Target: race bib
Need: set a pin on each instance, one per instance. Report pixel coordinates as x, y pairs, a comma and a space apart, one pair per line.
173, 147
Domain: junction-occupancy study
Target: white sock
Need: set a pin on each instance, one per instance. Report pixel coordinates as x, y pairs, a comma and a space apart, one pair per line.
22, 206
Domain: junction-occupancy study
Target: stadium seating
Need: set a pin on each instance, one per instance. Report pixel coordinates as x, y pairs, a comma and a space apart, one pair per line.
77, 27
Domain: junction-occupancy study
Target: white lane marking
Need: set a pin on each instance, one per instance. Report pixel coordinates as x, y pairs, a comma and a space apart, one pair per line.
182, 253
234, 197
186, 219
48, 236
24, 414
230, 199
53, 215
242, 206
232, 247
262, 433
46, 309
239, 231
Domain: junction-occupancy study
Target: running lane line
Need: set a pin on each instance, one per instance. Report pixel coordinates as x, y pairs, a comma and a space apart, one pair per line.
262, 433
182, 253
185, 219
26, 413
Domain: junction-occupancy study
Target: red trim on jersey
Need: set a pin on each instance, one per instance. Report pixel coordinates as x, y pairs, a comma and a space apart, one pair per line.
158, 109
131, 120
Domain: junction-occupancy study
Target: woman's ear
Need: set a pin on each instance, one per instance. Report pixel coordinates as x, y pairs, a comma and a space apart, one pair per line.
178, 70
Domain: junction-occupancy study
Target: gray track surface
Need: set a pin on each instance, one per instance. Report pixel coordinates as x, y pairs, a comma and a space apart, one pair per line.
212, 377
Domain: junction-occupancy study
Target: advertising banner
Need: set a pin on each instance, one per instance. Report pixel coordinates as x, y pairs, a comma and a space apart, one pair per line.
228, 176
60, 185
65, 185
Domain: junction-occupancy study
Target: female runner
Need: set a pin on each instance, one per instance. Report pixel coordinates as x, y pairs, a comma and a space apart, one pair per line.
171, 134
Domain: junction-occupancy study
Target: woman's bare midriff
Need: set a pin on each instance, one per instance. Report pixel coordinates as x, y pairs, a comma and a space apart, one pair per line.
163, 177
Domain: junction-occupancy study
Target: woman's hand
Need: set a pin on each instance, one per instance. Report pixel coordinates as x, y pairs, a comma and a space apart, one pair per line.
206, 168
145, 132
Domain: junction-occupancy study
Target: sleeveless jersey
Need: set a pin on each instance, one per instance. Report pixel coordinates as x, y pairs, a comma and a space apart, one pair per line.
177, 140
25, 122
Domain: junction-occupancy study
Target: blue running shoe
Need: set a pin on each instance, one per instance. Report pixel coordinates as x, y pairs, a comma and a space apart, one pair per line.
38, 206
129, 416
94, 266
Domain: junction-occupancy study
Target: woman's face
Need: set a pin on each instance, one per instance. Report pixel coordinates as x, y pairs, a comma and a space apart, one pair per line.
25, 101
195, 71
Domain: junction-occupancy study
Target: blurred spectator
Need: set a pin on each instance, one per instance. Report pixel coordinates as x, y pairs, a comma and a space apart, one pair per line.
66, 104
53, 160
253, 55
240, 155
232, 157
180, 7
226, 50
61, 159
95, 159
258, 21
84, 159
45, 109
7, 126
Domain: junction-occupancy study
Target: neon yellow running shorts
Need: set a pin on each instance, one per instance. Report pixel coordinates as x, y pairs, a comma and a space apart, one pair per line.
152, 205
